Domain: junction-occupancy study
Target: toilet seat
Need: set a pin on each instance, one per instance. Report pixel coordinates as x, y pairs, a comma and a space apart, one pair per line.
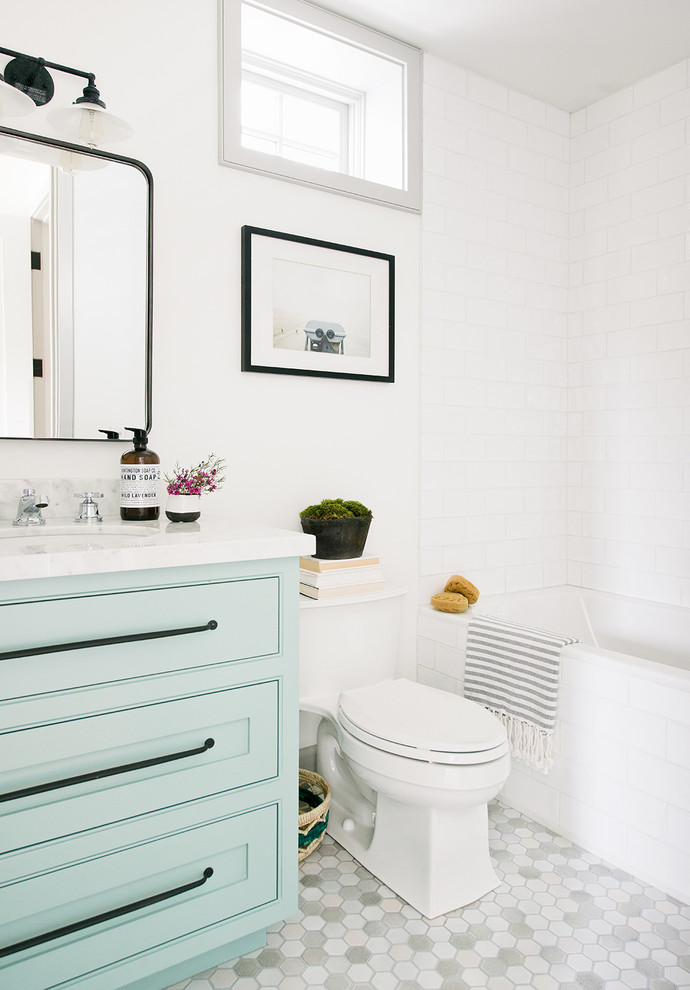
412, 720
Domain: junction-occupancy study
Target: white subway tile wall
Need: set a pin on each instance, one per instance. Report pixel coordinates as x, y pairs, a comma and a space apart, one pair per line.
629, 343
494, 335
556, 338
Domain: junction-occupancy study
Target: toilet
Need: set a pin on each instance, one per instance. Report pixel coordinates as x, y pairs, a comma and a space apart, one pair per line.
411, 768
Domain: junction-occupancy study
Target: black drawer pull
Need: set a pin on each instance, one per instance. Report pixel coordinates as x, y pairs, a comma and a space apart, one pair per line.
87, 644
53, 785
97, 919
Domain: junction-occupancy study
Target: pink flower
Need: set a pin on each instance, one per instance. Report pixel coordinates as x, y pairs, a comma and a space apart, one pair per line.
197, 480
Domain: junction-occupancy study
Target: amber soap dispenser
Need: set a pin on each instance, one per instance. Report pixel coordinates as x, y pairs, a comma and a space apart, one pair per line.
140, 477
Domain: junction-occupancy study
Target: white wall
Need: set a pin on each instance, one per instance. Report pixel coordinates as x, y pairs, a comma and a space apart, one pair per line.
141, 54
556, 338
629, 446
494, 325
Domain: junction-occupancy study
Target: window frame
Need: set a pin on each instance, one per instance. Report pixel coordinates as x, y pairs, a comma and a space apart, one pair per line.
233, 154
346, 108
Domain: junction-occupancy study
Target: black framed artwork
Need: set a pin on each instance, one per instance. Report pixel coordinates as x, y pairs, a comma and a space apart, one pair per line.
312, 307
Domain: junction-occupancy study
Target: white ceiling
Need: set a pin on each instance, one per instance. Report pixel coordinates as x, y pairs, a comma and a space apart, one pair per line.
568, 53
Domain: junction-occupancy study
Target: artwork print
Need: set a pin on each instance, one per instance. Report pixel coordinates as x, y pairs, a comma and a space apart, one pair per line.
316, 308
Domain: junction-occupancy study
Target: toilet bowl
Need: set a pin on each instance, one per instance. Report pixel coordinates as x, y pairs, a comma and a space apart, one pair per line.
411, 768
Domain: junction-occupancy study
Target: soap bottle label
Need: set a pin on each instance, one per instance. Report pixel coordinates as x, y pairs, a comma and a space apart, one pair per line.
139, 485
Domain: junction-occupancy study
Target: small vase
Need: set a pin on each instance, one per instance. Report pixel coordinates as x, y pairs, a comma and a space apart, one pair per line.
183, 508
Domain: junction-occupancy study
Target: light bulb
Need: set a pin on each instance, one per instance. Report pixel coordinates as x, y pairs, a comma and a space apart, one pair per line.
69, 162
91, 128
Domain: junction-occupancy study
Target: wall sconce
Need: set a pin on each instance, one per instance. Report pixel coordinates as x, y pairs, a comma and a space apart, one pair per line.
26, 84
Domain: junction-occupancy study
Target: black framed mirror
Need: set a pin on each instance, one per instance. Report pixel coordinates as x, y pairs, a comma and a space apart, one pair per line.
76, 266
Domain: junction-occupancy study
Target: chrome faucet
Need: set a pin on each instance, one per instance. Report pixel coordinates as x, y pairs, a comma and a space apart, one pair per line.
29, 509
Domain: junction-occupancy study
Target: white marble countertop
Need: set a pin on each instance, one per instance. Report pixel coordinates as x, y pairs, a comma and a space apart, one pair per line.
62, 547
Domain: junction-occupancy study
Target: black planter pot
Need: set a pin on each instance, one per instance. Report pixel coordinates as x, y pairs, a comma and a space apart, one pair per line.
338, 539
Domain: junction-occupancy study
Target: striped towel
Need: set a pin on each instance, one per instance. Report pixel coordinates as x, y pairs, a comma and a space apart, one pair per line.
513, 671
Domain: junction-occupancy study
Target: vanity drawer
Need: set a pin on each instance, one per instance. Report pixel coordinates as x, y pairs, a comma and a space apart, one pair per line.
60, 643
106, 767
129, 896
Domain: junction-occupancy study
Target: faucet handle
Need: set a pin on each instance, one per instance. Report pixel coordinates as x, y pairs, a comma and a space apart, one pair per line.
88, 510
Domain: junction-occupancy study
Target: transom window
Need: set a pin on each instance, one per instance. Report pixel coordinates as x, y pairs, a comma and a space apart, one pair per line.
312, 97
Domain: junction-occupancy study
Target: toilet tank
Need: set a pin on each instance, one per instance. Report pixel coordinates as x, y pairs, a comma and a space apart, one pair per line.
348, 642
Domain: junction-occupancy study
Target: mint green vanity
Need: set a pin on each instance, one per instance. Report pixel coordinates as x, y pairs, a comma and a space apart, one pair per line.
148, 758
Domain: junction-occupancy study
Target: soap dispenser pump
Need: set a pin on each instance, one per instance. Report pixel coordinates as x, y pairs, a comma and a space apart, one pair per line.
140, 476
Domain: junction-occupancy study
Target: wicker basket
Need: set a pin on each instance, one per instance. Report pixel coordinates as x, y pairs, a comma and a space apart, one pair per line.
314, 801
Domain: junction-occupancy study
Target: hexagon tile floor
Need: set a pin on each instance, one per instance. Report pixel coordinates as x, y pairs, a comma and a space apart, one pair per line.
561, 920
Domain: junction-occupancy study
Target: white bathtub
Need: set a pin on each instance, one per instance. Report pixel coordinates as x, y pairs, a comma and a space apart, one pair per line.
620, 785
641, 630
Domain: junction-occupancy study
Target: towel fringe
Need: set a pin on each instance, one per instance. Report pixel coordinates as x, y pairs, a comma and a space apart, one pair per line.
527, 741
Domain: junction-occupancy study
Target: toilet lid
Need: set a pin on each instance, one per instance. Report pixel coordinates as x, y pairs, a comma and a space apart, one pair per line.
424, 723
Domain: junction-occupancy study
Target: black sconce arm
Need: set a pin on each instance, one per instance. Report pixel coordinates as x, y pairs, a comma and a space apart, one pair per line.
29, 74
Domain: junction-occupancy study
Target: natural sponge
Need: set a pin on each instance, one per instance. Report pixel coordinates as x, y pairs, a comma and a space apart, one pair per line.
448, 602
461, 586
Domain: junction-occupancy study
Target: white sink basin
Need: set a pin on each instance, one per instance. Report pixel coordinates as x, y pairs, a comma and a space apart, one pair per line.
73, 536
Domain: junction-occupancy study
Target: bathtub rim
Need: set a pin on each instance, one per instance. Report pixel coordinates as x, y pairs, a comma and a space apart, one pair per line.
656, 670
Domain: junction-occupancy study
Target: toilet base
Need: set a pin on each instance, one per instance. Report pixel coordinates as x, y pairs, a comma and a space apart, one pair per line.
437, 861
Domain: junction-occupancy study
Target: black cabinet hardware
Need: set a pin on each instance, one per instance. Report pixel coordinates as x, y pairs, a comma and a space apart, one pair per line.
97, 919
86, 644
82, 778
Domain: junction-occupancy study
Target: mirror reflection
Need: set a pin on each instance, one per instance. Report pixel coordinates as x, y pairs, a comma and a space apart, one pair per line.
75, 333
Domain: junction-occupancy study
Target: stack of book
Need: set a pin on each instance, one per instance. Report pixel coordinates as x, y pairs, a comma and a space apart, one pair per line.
340, 578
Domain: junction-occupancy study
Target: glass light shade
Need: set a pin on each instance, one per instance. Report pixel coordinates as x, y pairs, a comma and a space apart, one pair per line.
89, 124
14, 103
72, 162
